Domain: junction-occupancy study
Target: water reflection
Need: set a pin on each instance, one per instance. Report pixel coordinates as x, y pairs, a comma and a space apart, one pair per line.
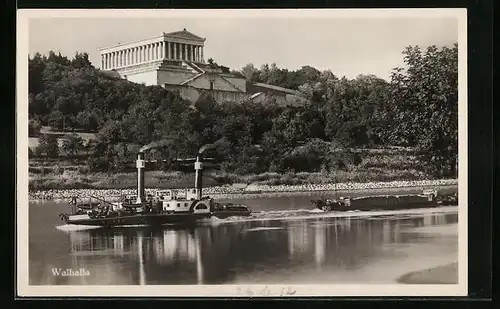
254, 251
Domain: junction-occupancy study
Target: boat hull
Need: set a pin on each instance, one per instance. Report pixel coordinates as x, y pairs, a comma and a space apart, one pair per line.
137, 219
150, 219
383, 203
228, 214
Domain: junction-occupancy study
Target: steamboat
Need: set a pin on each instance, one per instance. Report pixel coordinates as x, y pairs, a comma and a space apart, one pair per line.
427, 199
164, 207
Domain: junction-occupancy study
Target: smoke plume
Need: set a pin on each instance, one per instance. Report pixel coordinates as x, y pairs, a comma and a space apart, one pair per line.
206, 147
156, 144
210, 146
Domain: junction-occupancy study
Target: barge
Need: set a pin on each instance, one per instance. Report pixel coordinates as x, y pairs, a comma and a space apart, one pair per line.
427, 199
164, 207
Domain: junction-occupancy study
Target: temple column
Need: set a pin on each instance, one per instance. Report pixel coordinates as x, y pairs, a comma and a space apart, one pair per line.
184, 55
175, 51
192, 53
167, 46
202, 59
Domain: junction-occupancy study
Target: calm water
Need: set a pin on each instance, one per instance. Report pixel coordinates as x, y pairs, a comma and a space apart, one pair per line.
313, 249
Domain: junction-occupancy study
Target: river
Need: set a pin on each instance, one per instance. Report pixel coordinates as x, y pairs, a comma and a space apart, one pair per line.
286, 244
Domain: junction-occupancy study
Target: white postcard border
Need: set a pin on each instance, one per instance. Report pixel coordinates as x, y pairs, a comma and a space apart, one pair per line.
23, 287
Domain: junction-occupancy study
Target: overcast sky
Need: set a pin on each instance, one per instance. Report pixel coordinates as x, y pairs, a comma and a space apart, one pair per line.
346, 46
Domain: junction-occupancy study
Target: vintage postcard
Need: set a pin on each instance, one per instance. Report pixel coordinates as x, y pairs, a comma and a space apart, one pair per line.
289, 153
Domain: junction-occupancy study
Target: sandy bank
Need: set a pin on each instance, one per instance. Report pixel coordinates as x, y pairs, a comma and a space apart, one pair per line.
445, 274
228, 191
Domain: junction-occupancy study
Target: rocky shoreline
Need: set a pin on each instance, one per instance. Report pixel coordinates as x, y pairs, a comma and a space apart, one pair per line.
229, 191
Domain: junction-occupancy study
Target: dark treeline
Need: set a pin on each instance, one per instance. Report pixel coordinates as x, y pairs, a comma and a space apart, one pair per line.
417, 108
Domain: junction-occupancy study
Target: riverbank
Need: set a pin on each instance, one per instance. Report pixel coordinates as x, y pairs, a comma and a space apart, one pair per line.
238, 191
445, 274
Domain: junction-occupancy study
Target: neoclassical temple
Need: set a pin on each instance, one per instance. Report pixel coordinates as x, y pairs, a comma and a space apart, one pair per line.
180, 45
175, 61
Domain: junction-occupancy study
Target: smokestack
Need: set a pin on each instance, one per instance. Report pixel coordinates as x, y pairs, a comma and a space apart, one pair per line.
198, 167
141, 164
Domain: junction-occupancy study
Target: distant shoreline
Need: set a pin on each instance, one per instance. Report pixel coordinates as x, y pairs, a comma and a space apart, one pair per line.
255, 190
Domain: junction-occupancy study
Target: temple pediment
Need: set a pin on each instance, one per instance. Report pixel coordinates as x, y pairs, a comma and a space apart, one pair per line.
185, 35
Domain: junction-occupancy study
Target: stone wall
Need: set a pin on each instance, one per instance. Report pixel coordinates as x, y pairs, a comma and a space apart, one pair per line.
203, 82
192, 94
173, 77
148, 78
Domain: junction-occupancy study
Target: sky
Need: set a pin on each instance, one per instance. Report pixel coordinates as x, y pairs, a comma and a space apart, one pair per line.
348, 46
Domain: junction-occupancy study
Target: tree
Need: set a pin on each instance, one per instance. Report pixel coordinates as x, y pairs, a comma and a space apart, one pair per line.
81, 61
425, 102
72, 145
250, 72
34, 127
48, 144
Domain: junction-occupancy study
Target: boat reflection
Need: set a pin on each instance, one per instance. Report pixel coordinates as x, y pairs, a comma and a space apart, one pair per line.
226, 253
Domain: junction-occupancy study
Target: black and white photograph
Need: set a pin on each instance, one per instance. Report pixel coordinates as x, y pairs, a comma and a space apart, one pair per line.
288, 153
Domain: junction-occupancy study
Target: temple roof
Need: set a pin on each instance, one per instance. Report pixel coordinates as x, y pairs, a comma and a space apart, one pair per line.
184, 34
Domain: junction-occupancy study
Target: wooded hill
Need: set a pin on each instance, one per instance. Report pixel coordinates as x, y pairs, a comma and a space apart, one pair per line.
417, 108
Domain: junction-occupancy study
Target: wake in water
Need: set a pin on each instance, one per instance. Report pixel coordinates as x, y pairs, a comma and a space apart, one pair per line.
302, 214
